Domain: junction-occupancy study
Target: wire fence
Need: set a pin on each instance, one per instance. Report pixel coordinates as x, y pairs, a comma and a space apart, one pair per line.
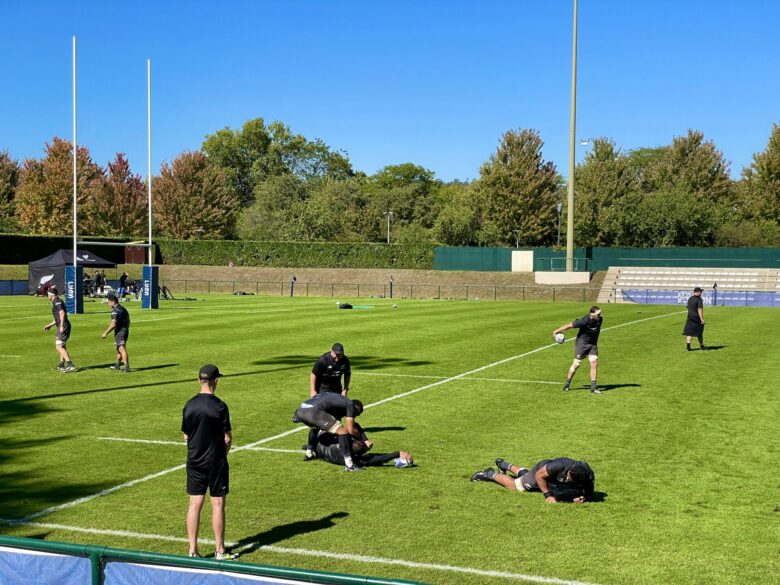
372, 290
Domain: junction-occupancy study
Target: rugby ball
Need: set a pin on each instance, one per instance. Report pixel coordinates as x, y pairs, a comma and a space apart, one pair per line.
559, 338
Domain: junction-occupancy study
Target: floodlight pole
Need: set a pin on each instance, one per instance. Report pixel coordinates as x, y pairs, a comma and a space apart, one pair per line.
75, 157
573, 126
388, 215
149, 151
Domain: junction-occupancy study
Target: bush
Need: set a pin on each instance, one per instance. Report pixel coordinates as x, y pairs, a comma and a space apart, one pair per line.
296, 254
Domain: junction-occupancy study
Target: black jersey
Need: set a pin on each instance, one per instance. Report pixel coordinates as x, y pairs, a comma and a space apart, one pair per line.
559, 468
328, 372
205, 420
121, 316
694, 304
589, 329
58, 305
336, 405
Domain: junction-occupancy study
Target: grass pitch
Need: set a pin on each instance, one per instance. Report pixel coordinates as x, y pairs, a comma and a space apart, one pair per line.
684, 446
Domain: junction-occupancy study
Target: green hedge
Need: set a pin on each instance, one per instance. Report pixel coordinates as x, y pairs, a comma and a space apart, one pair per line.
295, 254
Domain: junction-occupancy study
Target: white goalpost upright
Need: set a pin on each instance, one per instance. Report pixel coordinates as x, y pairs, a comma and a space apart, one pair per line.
73, 276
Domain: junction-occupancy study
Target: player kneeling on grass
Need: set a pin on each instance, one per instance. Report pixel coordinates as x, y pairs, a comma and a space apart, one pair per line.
324, 412
559, 480
586, 345
120, 325
328, 450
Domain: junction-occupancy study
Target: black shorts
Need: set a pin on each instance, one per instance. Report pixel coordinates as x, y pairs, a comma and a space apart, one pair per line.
120, 336
584, 348
317, 419
693, 328
214, 478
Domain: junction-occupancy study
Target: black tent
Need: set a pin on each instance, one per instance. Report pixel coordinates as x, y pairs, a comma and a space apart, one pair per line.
51, 270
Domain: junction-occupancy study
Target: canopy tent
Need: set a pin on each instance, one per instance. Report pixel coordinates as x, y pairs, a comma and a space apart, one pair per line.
51, 270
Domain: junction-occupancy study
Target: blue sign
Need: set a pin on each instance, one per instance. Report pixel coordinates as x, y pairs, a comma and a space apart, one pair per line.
150, 287
721, 298
74, 289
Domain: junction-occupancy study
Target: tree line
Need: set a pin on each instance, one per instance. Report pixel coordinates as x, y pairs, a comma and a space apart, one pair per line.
263, 182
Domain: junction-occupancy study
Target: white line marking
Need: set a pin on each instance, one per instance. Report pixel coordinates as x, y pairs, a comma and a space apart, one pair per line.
311, 553
445, 377
183, 444
111, 490
10, 356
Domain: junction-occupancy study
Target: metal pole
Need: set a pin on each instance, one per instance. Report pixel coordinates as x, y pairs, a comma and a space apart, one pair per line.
573, 126
149, 151
75, 157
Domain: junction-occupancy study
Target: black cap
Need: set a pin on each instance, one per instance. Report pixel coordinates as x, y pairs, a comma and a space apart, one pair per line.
338, 349
53, 290
209, 372
697, 289
112, 297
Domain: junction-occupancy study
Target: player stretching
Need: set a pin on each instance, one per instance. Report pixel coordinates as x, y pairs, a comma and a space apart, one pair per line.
586, 345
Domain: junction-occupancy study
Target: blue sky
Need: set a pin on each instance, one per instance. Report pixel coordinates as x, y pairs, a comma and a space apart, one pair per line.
430, 82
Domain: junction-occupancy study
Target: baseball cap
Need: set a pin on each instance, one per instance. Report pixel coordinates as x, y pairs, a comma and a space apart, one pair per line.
338, 349
53, 290
697, 289
209, 372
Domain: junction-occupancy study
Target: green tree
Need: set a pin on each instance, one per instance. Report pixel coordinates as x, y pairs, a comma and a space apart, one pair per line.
259, 151
9, 179
44, 197
120, 208
602, 180
459, 220
760, 188
275, 213
193, 196
520, 190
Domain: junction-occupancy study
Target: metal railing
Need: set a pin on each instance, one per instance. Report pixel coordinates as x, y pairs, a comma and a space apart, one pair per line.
100, 556
354, 290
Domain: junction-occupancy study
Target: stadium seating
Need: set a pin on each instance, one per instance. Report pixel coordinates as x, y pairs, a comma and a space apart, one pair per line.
621, 278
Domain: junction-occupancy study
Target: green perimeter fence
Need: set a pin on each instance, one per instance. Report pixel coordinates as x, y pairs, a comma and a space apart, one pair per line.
100, 556
492, 292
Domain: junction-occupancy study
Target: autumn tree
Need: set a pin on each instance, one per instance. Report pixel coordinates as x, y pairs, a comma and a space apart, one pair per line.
520, 190
120, 208
193, 197
761, 182
44, 197
9, 179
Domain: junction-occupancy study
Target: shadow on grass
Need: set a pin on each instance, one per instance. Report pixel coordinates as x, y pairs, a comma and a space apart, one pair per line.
609, 387
106, 366
383, 429
285, 531
363, 362
598, 498
714, 347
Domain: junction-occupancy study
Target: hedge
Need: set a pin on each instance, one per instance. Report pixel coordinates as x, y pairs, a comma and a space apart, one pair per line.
295, 254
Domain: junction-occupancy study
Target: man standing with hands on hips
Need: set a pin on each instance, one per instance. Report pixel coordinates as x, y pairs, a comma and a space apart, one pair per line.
206, 428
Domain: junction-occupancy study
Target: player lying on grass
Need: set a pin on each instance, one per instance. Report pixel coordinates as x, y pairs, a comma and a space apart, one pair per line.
328, 450
559, 480
324, 412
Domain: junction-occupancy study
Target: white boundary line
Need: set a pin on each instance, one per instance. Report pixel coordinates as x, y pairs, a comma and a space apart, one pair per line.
316, 553
183, 444
146, 478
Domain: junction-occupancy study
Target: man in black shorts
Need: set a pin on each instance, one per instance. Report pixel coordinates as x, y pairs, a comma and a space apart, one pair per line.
60, 313
694, 325
120, 325
206, 427
586, 345
559, 480
328, 450
327, 372
324, 413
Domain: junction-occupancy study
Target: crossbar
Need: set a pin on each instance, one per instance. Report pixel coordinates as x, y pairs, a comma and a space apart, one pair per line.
137, 244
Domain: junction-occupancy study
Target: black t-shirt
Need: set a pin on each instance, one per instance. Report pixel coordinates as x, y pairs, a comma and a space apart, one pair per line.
559, 468
694, 304
205, 420
589, 329
121, 316
329, 371
58, 305
336, 405
123, 281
